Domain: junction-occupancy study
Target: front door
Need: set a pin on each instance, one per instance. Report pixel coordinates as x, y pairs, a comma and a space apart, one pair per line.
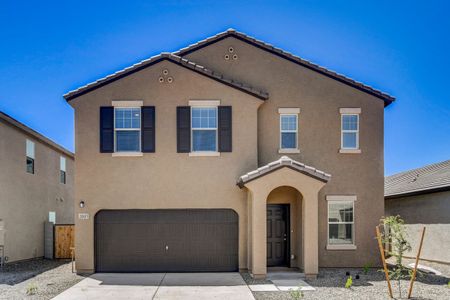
277, 235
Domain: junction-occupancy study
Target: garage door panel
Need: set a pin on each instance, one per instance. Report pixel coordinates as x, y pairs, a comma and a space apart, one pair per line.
166, 240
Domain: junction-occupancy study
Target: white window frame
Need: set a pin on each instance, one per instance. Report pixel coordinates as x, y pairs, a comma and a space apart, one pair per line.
289, 112
350, 112
334, 199
216, 129
128, 153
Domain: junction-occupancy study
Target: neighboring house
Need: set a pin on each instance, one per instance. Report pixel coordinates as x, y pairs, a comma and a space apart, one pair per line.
422, 198
218, 157
36, 183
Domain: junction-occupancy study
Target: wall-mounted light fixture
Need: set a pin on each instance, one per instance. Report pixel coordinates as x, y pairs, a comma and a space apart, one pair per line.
81, 203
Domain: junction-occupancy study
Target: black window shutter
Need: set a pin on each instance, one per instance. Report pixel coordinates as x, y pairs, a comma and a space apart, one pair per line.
224, 130
148, 128
107, 129
183, 129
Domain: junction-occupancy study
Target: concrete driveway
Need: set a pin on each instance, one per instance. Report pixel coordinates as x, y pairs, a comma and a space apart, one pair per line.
160, 286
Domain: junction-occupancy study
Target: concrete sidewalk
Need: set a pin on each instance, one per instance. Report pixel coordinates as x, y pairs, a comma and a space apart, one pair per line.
160, 286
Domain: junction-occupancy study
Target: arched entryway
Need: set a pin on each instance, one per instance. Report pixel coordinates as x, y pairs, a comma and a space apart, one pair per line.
265, 182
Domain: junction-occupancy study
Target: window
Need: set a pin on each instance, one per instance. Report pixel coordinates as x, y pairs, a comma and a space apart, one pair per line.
350, 131
204, 129
30, 156
127, 129
62, 170
341, 222
288, 131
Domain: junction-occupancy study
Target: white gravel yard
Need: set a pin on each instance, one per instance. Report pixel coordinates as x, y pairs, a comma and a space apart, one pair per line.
50, 277
330, 284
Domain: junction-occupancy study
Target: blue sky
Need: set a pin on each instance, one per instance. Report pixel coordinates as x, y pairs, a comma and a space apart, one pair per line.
401, 47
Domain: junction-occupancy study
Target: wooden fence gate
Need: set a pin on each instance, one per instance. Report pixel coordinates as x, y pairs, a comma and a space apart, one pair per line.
64, 240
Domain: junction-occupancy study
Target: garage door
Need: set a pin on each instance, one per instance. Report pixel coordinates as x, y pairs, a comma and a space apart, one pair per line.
188, 240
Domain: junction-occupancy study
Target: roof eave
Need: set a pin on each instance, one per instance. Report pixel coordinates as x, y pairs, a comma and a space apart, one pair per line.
417, 192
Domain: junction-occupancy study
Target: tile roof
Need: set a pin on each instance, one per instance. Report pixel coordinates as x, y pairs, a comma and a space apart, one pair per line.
284, 161
24, 128
430, 178
156, 59
388, 99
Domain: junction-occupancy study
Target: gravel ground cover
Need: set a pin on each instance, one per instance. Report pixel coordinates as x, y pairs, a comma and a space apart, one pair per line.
49, 277
330, 284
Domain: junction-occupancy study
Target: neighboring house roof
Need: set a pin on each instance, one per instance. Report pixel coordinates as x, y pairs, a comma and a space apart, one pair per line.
27, 130
172, 58
388, 99
283, 162
431, 178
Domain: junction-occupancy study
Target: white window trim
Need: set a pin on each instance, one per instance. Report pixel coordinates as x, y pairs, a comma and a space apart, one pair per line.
336, 199
32, 150
127, 103
349, 149
289, 112
205, 104
127, 153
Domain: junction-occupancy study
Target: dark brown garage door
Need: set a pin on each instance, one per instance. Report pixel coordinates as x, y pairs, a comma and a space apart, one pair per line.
187, 240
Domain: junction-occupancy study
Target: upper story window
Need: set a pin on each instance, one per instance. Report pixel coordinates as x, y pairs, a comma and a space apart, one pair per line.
30, 156
341, 229
204, 129
127, 129
288, 130
62, 170
350, 130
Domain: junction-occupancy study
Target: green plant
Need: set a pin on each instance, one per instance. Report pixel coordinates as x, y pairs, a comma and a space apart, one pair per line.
349, 282
32, 288
448, 284
366, 268
395, 235
296, 294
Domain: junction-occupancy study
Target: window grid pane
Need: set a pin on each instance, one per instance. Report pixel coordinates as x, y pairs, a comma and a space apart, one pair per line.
128, 118
288, 130
204, 128
340, 222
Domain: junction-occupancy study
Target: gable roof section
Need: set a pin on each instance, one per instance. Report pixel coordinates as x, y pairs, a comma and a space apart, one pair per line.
428, 179
283, 162
388, 99
183, 62
27, 130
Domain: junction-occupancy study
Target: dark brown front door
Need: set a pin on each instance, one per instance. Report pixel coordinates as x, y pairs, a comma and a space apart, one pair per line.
166, 240
277, 235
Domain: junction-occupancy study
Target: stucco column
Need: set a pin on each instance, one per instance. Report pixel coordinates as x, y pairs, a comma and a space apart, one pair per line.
311, 233
259, 237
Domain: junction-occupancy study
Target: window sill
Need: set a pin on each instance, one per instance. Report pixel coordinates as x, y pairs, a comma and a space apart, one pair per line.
127, 154
341, 247
288, 150
350, 151
206, 153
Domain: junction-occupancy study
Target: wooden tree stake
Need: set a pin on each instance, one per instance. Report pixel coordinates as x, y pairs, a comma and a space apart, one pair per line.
380, 245
413, 277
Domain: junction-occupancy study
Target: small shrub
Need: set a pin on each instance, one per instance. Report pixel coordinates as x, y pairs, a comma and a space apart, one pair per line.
448, 284
366, 268
349, 282
32, 289
296, 294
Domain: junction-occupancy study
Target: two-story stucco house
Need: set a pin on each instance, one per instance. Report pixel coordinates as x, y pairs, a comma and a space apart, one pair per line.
36, 185
228, 154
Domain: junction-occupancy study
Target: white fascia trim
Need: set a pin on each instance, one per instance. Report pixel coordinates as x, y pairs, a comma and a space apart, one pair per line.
354, 110
341, 198
204, 102
292, 151
127, 103
206, 153
350, 151
341, 247
288, 110
127, 154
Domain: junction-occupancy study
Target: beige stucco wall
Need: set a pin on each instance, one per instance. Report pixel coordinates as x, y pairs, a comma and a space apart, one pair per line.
26, 199
428, 210
319, 98
164, 179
